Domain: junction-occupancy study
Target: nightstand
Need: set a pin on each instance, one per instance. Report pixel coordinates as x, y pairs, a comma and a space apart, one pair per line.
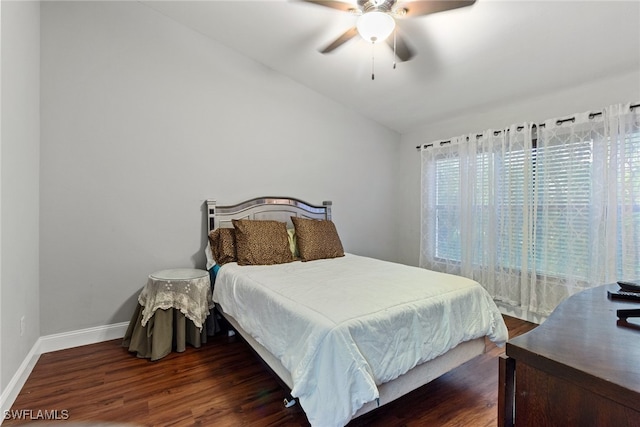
172, 311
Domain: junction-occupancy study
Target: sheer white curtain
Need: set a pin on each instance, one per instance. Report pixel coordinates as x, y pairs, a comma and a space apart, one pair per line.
536, 213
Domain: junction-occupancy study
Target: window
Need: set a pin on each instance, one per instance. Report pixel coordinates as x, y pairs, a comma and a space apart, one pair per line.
536, 219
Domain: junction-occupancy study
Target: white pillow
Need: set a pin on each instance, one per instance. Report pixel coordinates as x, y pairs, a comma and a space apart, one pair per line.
209, 254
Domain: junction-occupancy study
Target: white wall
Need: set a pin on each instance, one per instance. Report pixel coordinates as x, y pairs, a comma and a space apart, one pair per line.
19, 178
144, 119
593, 96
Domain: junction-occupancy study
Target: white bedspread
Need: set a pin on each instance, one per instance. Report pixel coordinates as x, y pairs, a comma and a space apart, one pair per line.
341, 326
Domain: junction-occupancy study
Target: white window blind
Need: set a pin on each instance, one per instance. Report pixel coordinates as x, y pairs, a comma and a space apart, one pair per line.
628, 240
563, 174
447, 187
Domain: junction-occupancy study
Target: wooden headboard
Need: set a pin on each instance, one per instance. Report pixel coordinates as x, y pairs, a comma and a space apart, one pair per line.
265, 208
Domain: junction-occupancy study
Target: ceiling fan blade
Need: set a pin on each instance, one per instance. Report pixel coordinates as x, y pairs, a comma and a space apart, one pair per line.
427, 7
345, 7
403, 51
345, 37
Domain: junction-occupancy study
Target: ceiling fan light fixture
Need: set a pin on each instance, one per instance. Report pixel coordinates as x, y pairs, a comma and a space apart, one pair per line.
375, 26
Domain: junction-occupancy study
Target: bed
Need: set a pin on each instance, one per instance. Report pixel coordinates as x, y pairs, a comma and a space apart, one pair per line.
345, 333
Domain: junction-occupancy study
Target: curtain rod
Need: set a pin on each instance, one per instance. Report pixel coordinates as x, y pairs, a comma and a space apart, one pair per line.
519, 128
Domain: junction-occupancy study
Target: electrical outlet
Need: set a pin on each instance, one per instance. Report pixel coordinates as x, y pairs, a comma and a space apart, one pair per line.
22, 326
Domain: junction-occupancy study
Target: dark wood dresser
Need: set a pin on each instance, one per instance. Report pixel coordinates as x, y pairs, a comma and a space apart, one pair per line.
579, 368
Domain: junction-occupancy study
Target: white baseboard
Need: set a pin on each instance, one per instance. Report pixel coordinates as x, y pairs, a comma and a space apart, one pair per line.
10, 393
521, 313
87, 336
51, 343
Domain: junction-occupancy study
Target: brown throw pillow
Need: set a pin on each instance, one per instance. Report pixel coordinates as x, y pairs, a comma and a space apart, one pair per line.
223, 245
317, 239
261, 242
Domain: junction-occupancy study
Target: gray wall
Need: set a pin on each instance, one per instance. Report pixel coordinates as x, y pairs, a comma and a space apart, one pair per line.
19, 189
593, 96
144, 119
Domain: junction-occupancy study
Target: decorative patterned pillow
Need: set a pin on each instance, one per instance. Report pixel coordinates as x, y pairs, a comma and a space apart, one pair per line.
317, 239
223, 245
261, 242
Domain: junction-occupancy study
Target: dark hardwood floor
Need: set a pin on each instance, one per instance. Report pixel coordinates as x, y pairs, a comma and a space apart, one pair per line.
224, 384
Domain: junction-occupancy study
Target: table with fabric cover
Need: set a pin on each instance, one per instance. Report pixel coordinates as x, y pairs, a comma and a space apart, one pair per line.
173, 310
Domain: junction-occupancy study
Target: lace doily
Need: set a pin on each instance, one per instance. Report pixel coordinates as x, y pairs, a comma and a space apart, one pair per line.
187, 290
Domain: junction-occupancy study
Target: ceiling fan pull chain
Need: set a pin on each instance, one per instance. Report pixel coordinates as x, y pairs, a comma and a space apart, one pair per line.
373, 61
394, 48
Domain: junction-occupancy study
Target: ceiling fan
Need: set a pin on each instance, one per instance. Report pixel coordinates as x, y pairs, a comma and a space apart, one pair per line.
377, 19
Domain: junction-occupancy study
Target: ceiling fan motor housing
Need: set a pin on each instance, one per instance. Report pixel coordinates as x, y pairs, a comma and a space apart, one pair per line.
371, 5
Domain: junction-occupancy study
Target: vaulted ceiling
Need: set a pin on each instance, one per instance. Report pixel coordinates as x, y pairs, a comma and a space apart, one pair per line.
476, 57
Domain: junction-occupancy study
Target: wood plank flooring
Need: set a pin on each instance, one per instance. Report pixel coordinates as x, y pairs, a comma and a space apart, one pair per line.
224, 384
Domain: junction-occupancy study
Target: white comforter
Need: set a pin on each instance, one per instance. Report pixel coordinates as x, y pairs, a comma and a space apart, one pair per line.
341, 326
